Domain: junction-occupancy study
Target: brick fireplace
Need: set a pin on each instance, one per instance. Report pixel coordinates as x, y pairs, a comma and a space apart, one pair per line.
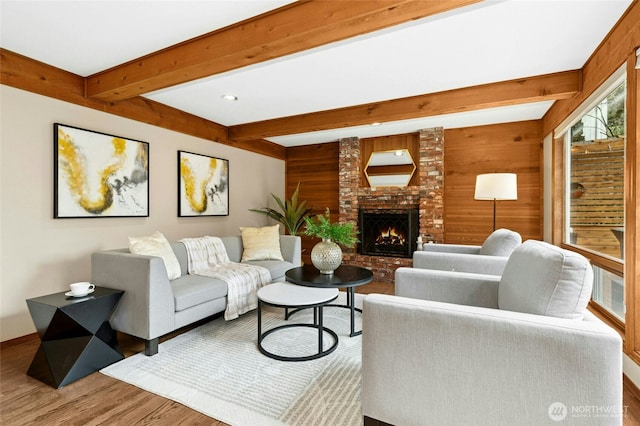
426, 198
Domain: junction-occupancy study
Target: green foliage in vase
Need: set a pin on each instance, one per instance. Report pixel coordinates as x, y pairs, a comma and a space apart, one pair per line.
344, 234
292, 212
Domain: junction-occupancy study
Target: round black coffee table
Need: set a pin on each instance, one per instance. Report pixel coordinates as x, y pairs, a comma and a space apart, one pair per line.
347, 276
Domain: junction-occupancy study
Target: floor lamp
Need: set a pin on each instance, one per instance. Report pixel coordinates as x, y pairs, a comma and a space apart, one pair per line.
496, 186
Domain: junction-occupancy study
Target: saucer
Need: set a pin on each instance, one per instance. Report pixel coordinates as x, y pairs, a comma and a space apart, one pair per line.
80, 295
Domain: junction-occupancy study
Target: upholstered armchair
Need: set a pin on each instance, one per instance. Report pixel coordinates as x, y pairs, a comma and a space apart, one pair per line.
462, 348
488, 258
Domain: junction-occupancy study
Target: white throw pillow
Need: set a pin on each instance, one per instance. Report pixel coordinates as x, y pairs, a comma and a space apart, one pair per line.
156, 244
261, 243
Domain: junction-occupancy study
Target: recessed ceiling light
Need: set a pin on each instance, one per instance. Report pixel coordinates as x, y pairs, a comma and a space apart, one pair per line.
376, 123
229, 97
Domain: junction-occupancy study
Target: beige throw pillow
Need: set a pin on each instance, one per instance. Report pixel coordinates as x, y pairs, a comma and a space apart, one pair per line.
261, 243
156, 244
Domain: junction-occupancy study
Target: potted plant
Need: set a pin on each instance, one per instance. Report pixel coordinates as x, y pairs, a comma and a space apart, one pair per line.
292, 213
327, 254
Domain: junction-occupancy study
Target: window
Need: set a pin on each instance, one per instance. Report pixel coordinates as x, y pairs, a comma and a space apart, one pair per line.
608, 291
594, 183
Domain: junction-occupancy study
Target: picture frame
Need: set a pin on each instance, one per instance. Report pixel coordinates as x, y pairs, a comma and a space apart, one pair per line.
98, 175
203, 185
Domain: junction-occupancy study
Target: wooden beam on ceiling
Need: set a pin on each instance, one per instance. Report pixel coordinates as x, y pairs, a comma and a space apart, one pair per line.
293, 28
33, 76
562, 85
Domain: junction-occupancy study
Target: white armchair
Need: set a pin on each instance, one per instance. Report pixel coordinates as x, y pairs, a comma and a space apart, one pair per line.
489, 258
485, 350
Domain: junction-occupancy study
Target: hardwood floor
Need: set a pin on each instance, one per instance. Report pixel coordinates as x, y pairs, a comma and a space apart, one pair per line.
101, 400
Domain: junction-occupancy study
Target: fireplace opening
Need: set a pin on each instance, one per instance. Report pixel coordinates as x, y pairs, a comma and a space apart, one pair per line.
391, 233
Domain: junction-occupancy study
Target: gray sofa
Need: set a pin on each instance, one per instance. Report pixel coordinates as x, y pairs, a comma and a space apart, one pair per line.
152, 305
522, 349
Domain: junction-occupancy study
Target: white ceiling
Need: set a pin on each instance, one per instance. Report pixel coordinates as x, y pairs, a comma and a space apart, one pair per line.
488, 42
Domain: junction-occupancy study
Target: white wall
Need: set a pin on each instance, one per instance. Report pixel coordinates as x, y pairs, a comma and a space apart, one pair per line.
41, 255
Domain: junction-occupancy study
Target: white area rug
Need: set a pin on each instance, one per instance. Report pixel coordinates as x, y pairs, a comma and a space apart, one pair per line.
218, 370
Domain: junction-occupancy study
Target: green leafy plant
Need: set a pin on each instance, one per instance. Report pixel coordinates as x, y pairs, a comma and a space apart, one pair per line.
292, 212
344, 234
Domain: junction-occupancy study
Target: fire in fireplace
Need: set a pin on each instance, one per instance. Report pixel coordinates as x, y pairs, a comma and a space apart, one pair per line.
390, 233
391, 237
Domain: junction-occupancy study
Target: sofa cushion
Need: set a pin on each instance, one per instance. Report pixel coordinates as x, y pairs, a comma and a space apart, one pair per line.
261, 243
543, 279
277, 268
233, 245
180, 251
501, 242
192, 290
157, 245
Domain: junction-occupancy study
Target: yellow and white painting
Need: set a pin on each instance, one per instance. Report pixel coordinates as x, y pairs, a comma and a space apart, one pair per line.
203, 185
99, 175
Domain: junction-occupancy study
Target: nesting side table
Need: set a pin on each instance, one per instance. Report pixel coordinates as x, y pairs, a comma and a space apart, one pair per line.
76, 338
285, 295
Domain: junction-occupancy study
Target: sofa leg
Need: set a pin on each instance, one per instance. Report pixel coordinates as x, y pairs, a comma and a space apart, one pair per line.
151, 347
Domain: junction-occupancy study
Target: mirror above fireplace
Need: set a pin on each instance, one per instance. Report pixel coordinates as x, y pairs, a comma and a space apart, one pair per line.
390, 168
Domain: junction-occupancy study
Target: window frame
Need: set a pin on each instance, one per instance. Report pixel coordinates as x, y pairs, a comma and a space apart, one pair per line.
561, 181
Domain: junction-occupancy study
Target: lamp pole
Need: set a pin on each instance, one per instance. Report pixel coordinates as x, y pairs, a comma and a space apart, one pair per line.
494, 214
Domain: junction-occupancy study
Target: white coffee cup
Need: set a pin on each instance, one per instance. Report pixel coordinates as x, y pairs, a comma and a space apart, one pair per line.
81, 288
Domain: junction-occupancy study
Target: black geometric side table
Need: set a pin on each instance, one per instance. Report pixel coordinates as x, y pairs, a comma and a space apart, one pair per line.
76, 338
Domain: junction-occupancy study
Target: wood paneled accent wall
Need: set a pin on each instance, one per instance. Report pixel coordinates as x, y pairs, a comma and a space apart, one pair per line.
316, 168
509, 148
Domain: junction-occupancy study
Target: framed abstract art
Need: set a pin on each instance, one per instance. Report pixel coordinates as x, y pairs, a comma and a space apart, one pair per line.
203, 185
99, 175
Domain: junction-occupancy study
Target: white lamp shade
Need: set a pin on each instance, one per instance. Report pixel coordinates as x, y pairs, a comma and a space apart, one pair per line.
497, 186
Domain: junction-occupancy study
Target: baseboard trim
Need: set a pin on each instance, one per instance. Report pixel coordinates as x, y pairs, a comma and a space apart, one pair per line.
19, 340
628, 383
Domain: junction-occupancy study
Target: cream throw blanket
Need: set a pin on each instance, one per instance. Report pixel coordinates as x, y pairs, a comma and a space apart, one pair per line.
208, 257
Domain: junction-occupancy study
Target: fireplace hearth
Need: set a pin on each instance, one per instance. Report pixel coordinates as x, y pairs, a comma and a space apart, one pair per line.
391, 233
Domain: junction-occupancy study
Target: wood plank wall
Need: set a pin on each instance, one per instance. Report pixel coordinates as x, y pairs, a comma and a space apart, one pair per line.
316, 168
512, 147
509, 148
